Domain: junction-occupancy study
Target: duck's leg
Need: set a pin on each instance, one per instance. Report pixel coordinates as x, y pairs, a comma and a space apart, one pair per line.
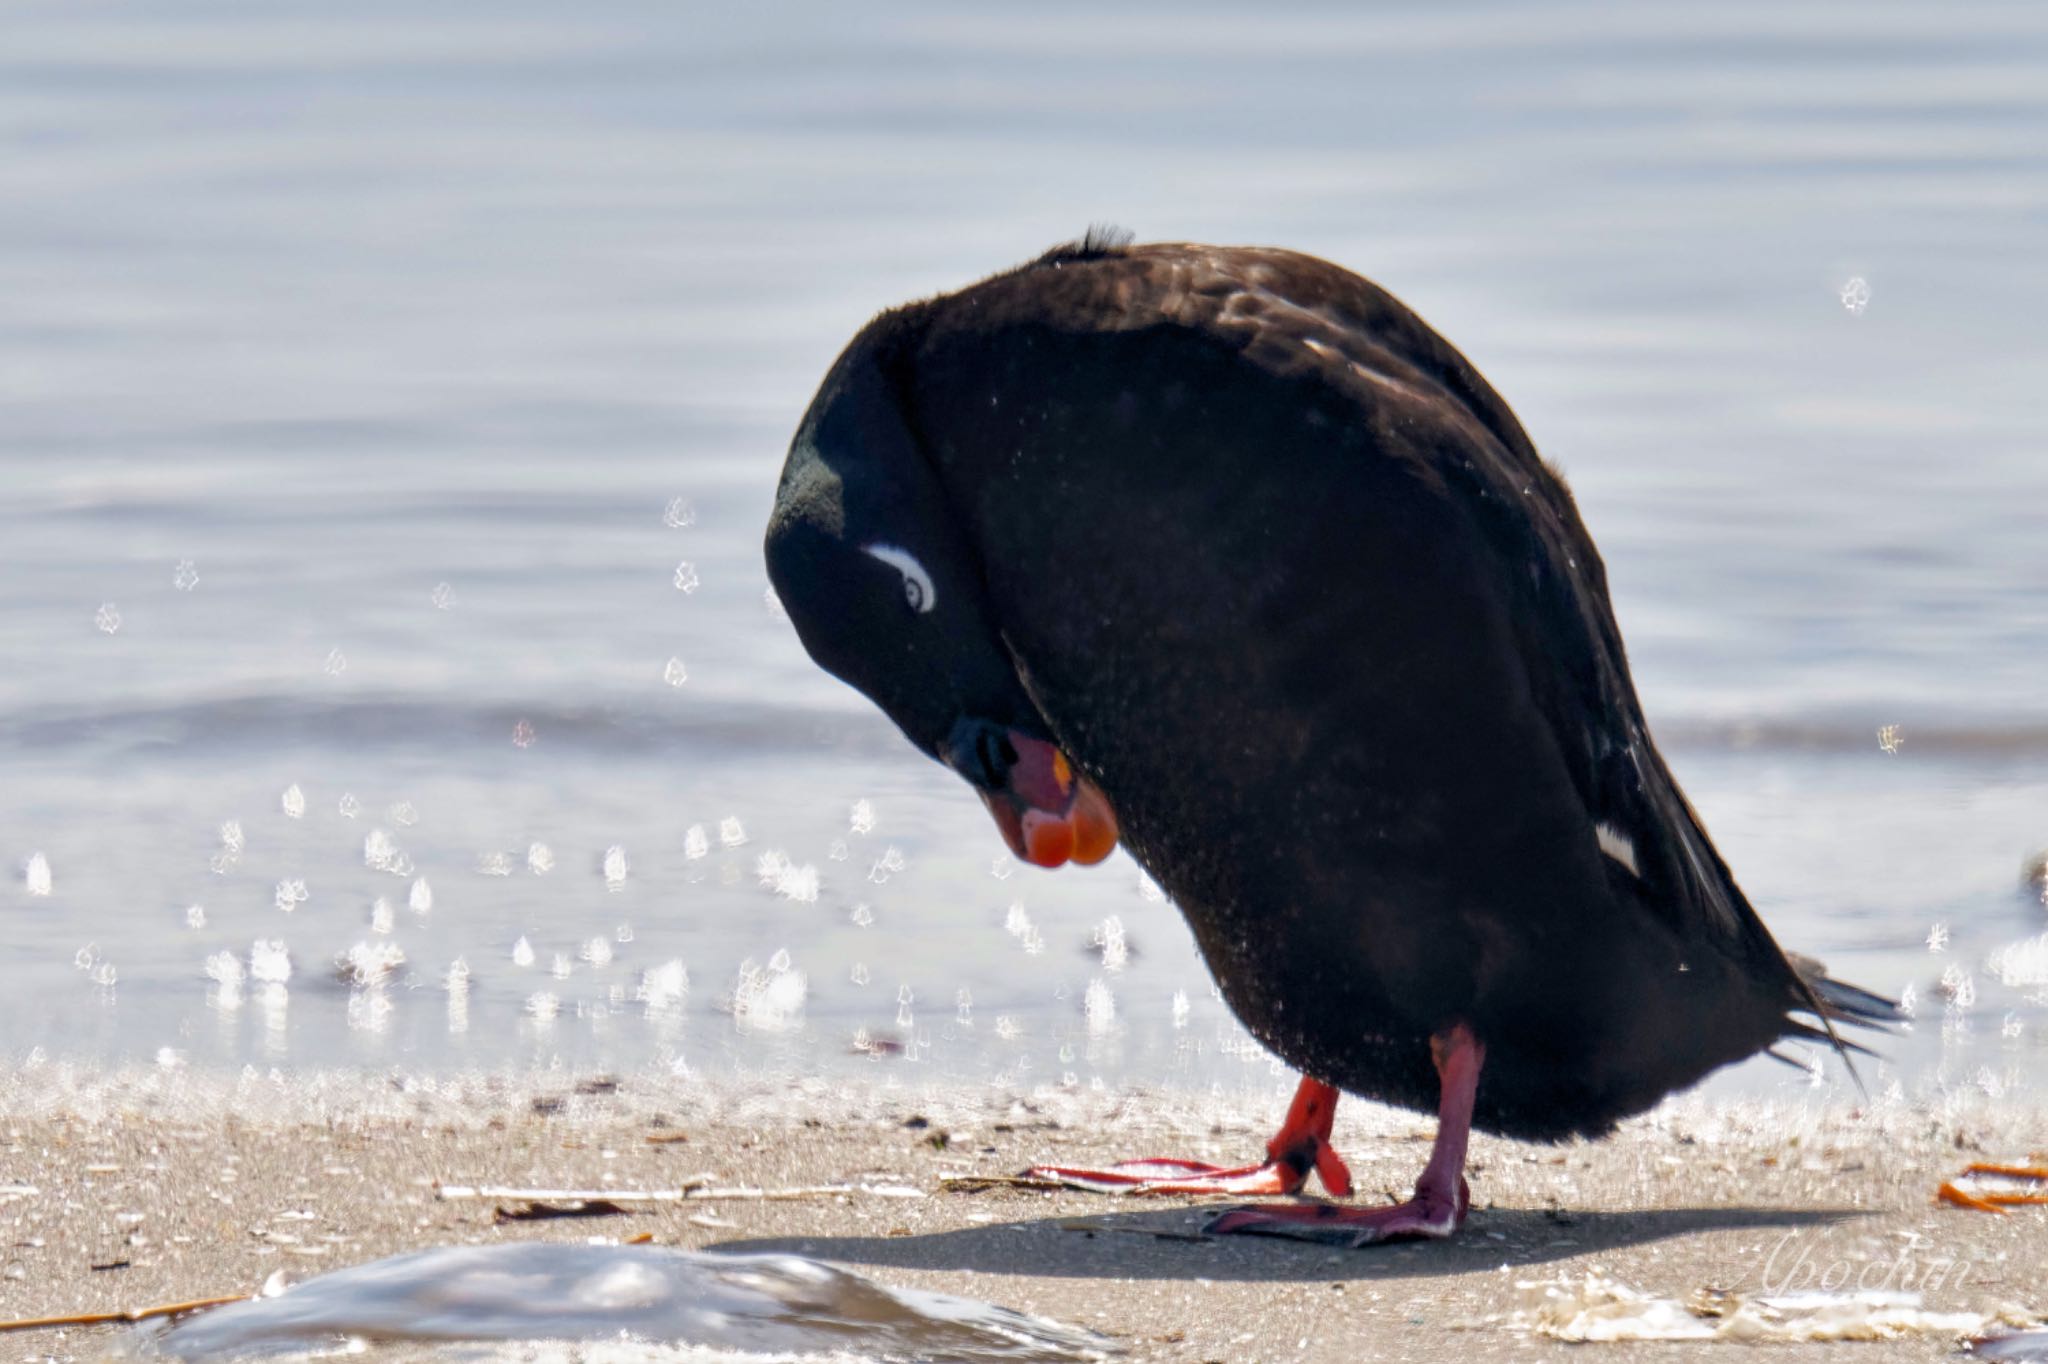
1441, 1196
1302, 1144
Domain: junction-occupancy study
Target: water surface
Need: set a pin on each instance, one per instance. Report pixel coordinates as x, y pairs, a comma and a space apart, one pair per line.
368, 377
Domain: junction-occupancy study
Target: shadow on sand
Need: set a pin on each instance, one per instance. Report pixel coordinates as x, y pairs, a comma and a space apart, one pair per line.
1166, 1244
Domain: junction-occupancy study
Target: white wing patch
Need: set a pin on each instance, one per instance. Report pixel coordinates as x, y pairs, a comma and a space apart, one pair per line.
1618, 846
917, 584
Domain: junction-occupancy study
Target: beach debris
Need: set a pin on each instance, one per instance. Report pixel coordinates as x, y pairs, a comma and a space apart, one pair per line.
698, 1189
1993, 1188
133, 1314
544, 1212
1597, 1307
35, 875
973, 1184
534, 1291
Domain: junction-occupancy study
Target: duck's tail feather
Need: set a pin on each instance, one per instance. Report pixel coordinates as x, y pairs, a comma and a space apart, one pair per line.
1831, 1001
1841, 1002
1825, 1036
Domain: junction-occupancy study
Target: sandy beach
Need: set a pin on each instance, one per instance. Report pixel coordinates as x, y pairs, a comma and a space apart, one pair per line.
120, 1191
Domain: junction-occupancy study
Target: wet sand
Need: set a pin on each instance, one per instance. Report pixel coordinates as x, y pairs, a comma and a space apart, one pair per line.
119, 1191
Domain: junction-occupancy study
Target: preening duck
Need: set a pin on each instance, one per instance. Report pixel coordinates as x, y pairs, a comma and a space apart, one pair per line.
1225, 554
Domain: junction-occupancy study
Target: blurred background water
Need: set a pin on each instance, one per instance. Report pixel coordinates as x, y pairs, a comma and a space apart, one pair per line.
391, 399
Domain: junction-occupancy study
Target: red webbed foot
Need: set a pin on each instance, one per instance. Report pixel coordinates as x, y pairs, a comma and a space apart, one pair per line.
1429, 1216
1441, 1196
1301, 1145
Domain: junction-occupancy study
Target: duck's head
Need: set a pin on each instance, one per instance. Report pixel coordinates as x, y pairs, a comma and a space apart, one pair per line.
887, 596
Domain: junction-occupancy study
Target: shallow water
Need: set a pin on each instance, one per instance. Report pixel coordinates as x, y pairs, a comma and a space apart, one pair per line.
367, 379
738, 1306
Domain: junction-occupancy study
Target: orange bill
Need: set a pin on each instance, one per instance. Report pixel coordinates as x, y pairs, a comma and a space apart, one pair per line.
1048, 813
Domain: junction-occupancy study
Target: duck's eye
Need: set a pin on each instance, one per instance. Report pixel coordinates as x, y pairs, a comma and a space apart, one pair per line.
917, 584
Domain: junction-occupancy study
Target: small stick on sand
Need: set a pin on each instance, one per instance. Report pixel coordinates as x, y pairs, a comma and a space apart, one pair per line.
981, 1183
169, 1309
689, 1193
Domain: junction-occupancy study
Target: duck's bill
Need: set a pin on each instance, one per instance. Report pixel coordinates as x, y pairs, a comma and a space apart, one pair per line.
1048, 813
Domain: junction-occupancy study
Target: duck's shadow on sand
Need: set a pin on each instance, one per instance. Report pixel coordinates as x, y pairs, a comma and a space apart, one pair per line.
1167, 1244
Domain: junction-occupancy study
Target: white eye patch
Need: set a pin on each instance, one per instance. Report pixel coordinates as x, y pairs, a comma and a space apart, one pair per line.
917, 584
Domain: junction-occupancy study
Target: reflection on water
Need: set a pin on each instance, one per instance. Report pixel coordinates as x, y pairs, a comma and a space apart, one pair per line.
755, 1304
390, 404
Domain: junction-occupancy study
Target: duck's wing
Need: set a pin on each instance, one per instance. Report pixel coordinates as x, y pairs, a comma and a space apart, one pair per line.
1299, 316
1288, 311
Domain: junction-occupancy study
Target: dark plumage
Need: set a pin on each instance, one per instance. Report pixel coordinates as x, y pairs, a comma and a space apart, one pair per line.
1271, 564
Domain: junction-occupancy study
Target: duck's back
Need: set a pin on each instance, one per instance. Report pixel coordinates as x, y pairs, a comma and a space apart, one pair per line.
1286, 577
